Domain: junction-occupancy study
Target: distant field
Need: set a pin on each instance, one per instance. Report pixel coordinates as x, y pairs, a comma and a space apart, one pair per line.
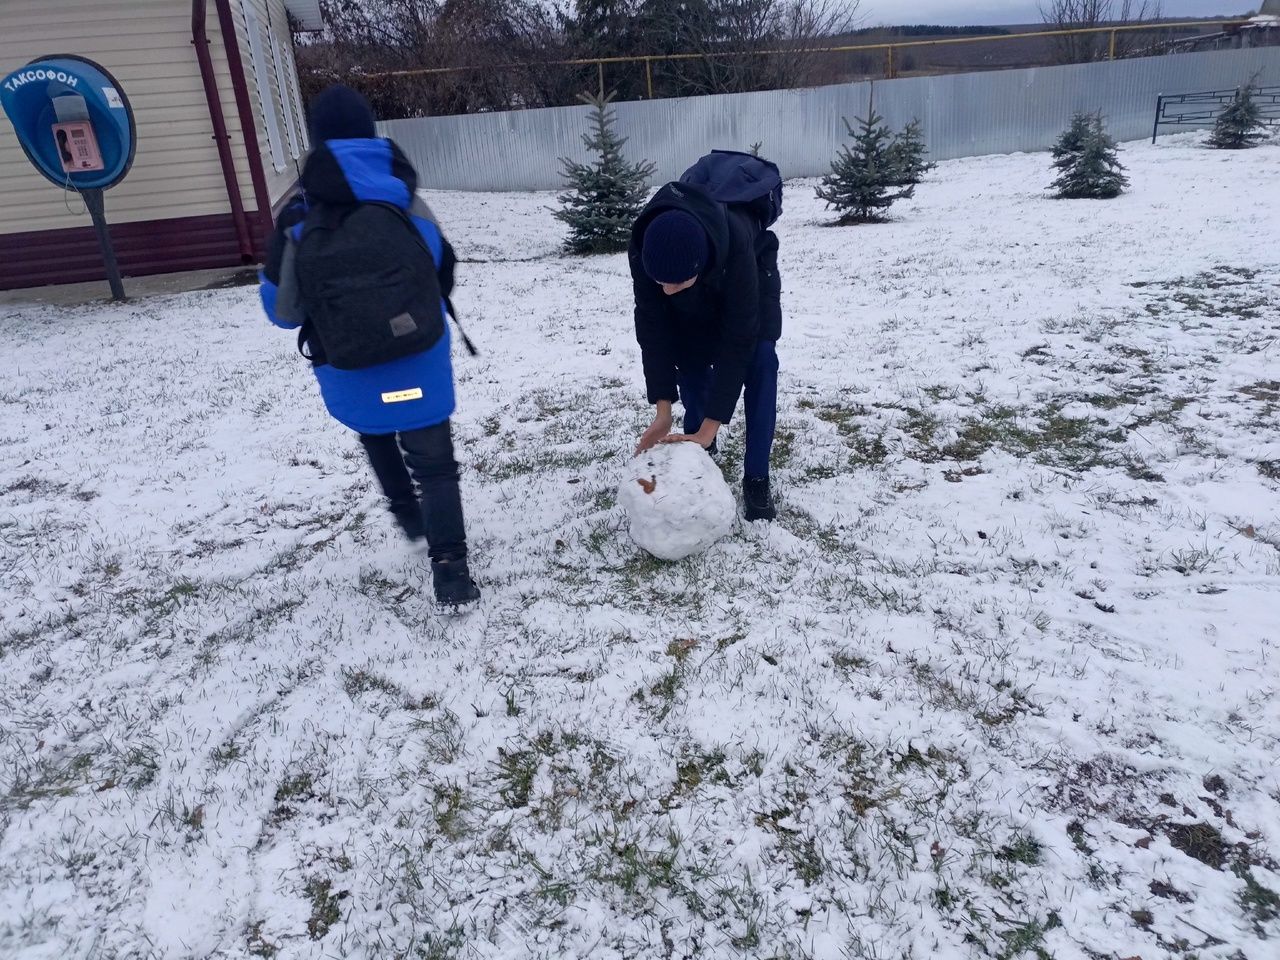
998, 53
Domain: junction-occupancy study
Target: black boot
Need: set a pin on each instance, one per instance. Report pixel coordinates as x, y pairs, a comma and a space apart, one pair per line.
453, 583
408, 517
757, 500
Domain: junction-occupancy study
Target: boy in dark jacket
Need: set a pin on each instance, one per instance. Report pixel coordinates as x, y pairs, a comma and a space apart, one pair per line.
400, 408
708, 318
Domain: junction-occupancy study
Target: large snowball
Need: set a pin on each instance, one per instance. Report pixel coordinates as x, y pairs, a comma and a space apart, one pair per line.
677, 501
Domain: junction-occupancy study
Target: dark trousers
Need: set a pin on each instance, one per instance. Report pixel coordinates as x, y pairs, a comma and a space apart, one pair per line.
760, 393
434, 509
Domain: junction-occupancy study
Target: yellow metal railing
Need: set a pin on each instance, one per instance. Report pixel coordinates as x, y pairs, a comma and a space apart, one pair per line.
889, 49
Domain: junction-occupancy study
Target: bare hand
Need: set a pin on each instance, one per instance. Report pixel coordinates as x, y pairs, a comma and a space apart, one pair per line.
656, 433
703, 438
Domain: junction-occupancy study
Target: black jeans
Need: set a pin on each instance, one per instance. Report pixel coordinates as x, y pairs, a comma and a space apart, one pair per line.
428, 455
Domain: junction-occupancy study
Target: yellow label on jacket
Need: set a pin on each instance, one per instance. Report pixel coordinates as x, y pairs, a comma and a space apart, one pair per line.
400, 396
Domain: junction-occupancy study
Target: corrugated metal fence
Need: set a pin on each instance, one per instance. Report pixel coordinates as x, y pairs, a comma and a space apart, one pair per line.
963, 115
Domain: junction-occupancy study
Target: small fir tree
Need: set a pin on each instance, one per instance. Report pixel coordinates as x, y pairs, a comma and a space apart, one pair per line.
907, 156
605, 195
1087, 161
1239, 126
876, 170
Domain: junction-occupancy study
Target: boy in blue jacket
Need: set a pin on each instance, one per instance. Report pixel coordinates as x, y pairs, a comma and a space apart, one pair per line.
400, 407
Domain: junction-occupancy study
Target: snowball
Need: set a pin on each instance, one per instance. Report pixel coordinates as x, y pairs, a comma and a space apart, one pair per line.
677, 501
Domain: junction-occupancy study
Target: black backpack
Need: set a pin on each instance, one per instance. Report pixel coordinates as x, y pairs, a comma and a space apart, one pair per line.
368, 285
740, 179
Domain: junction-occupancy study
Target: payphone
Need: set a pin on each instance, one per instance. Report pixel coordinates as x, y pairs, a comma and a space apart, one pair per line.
77, 128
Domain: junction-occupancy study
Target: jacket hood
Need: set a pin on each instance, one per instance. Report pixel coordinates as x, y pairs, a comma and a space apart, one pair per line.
692, 200
359, 171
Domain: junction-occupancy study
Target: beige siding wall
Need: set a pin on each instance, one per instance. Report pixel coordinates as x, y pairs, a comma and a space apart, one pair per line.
146, 44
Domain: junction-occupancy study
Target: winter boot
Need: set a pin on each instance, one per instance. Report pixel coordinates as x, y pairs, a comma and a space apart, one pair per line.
757, 500
453, 583
408, 517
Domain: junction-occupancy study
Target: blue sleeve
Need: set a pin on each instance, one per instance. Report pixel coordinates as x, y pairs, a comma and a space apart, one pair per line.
270, 276
269, 290
433, 237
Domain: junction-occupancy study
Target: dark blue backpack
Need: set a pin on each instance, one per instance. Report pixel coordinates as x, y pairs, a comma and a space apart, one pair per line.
741, 179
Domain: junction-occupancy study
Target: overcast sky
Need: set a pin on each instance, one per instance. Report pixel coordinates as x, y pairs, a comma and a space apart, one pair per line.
877, 12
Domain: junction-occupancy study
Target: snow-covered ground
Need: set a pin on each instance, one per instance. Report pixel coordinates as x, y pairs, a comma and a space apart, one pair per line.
1001, 682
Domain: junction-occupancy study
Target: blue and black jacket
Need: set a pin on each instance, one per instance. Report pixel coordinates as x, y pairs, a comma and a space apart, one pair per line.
369, 400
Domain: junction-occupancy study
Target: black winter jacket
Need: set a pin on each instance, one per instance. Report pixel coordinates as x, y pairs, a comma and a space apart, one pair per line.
720, 319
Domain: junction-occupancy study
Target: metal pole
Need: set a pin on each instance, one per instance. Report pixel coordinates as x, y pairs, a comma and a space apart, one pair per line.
648, 74
1113, 44
600, 67
93, 201
888, 73
1159, 107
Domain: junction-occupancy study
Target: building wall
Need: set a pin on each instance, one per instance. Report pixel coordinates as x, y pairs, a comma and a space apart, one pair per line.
146, 45
962, 115
271, 74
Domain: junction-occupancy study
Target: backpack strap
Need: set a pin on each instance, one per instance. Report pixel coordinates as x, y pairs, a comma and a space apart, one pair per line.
444, 269
453, 315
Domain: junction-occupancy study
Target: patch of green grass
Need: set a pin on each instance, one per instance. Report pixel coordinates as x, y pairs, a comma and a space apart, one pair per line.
1260, 904
1075, 830
848, 664
142, 764
512, 703
806, 859
1110, 401
542, 460
921, 426
1022, 849
449, 812
995, 425
1265, 390
639, 571
701, 767
1200, 841
1046, 435
783, 446
294, 788
291, 792
516, 772
945, 899
325, 911
444, 736
1194, 559
941, 391
866, 449
665, 690
681, 649
357, 682
258, 945
1028, 939
447, 945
